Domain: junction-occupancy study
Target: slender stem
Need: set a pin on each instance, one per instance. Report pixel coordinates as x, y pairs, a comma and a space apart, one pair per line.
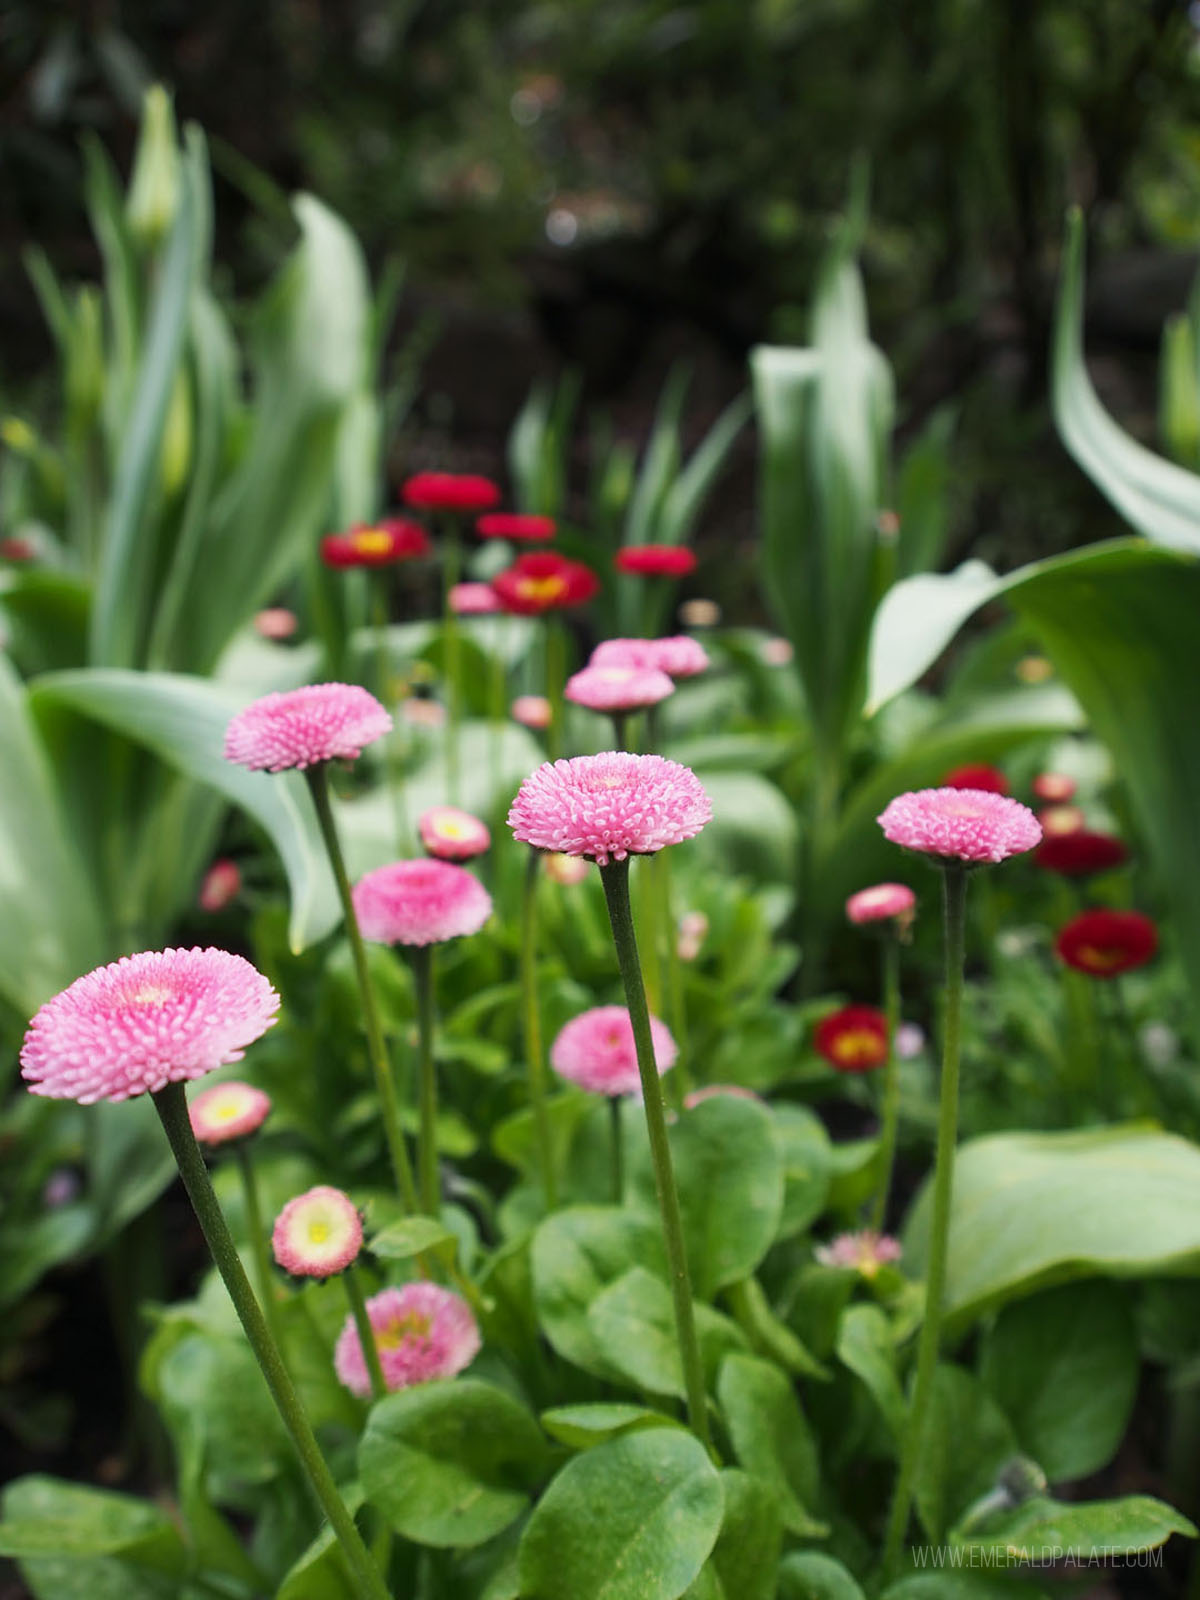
393, 761
649, 920
615, 878
421, 959
616, 1148
954, 902
556, 676
620, 722
171, 1105
366, 1333
258, 1239
385, 1083
531, 1017
451, 563
891, 1079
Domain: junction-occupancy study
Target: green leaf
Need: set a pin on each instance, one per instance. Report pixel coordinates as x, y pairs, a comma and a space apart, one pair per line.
183, 720
1042, 1530
949, 1584
1063, 1367
746, 1556
1035, 1209
812, 1575
633, 1322
771, 1436
729, 1172
46, 1517
451, 1463
321, 1572
865, 1345
29, 1247
409, 1237
967, 1441
803, 1139
583, 1426
661, 1506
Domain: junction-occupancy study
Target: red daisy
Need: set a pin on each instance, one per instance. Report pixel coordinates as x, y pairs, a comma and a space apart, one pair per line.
450, 491
543, 581
515, 525
656, 560
853, 1039
1106, 943
977, 775
1080, 853
375, 544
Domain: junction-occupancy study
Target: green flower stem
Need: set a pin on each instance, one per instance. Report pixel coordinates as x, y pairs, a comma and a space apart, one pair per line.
385, 1085
258, 1238
531, 1020
451, 565
366, 1333
891, 1079
171, 1105
616, 1148
620, 722
615, 878
649, 920
954, 901
556, 677
393, 761
421, 960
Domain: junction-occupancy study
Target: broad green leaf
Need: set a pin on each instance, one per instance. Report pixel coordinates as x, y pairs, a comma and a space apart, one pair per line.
746, 1556
729, 1172
321, 1572
409, 1237
865, 1345
1063, 1367
213, 1395
46, 1517
803, 1139
183, 720
1033, 1209
30, 1247
451, 1463
771, 1436
949, 1583
812, 1575
582, 1426
915, 622
753, 830
660, 1504
633, 1322
967, 1442
1042, 1530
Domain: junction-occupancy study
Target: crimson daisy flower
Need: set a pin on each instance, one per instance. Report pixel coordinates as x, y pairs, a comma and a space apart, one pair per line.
450, 491
1106, 943
542, 581
516, 525
375, 544
656, 560
1079, 853
977, 775
854, 1039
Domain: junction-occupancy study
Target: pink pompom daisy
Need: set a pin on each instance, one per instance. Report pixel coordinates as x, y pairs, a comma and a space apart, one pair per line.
221, 885
618, 689
532, 711
972, 825
864, 1252
609, 806
881, 902
596, 1050
678, 656
422, 1331
453, 835
299, 728
227, 1111
145, 1021
567, 870
317, 1234
474, 600
420, 902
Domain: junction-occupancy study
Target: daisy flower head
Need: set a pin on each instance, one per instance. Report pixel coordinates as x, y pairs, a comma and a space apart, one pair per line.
376, 544
1054, 787
221, 885
317, 1234
596, 1050
420, 902
532, 711
854, 1039
228, 1111
1104, 944
656, 560
453, 835
302, 727
132, 1027
609, 806
976, 775
970, 825
516, 525
450, 491
422, 1331
541, 581
1080, 852
864, 1252
678, 655
618, 689
882, 902
474, 600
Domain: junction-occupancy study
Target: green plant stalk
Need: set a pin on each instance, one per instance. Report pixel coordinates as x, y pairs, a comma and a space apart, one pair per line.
531, 1021
385, 1085
556, 677
954, 902
891, 1079
615, 878
451, 565
620, 722
393, 762
649, 920
171, 1105
366, 1333
616, 1135
421, 959
258, 1238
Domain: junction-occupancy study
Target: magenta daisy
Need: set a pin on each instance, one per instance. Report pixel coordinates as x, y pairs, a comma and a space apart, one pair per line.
532, 711
678, 656
420, 902
609, 806
453, 835
881, 902
145, 1021
618, 688
422, 1331
972, 825
299, 728
317, 1234
596, 1050
474, 600
229, 1110
865, 1252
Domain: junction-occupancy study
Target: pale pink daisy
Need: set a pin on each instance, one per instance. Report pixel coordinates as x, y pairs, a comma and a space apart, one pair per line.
777, 652
421, 712
717, 1091
863, 1252
609, 806
451, 834
420, 902
567, 870
302, 727
532, 711
229, 1110
145, 1021
693, 930
973, 825
881, 902
474, 600
422, 1331
596, 1050
618, 689
679, 656
222, 884
318, 1233
276, 622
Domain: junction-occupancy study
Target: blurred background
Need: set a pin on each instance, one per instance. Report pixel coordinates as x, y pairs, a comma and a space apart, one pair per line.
616, 189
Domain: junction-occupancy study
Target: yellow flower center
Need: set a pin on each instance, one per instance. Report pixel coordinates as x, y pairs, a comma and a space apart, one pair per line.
1090, 955
397, 1329
371, 542
151, 994
319, 1230
542, 591
855, 1046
